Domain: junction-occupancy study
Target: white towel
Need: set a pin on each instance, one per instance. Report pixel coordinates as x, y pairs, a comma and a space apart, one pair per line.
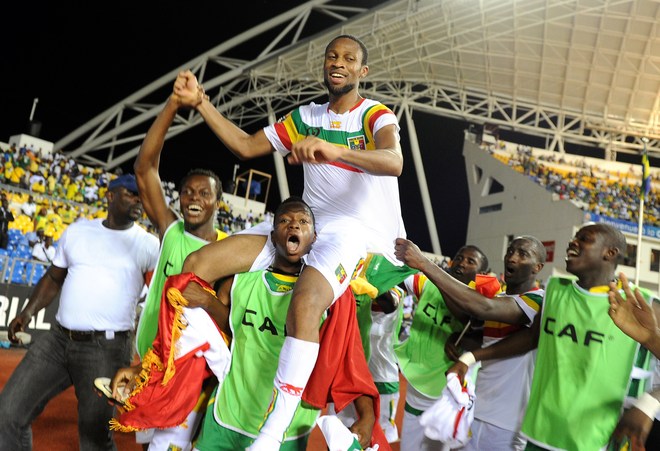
337, 436
449, 419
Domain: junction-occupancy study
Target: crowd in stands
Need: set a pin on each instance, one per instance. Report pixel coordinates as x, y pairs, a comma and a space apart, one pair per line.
602, 192
42, 193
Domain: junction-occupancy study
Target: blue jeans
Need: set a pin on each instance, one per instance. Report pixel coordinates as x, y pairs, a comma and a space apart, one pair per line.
52, 364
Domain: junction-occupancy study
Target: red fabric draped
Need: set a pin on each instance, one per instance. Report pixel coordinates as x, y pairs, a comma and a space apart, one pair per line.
341, 373
167, 392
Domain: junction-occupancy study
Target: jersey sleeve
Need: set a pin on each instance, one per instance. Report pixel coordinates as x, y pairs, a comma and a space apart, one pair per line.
530, 303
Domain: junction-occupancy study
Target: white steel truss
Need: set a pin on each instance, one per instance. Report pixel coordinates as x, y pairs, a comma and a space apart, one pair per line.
578, 71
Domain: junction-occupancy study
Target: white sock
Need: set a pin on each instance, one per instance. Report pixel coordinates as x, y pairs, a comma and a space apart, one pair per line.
297, 360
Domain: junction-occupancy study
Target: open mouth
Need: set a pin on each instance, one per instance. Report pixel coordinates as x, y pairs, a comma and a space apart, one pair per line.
194, 209
292, 244
336, 77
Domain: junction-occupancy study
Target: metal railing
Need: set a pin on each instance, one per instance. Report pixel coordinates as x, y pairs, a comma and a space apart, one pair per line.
21, 271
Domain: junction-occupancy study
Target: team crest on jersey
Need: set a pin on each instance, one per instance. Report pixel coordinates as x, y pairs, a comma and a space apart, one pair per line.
279, 283
340, 272
335, 125
282, 288
310, 131
357, 143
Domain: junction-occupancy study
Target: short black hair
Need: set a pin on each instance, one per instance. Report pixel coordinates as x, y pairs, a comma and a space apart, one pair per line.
205, 173
484, 260
537, 245
365, 52
612, 238
291, 200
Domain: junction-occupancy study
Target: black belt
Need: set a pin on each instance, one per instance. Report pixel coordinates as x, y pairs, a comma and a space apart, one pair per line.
88, 335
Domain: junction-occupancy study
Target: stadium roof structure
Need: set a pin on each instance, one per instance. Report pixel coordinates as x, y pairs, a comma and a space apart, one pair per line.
578, 71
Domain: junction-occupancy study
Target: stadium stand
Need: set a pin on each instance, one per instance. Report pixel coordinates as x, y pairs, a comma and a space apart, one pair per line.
517, 190
63, 191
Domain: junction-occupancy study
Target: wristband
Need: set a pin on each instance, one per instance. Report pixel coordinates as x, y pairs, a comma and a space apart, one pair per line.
467, 358
648, 404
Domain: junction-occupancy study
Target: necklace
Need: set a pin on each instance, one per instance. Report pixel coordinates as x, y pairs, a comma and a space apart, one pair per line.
277, 270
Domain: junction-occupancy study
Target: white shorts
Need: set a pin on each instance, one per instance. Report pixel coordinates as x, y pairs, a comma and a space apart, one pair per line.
383, 361
339, 248
418, 400
178, 437
488, 437
413, 438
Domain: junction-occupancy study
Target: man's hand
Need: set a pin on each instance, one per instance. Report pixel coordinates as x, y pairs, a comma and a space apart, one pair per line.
632, 315
188, 93
634, 426
363, 428
18, 324
197, 296
452, 350
123, 382
460, 369
409, 253
314, 150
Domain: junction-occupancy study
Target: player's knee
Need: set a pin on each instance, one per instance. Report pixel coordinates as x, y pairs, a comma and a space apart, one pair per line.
305, 313
190, 263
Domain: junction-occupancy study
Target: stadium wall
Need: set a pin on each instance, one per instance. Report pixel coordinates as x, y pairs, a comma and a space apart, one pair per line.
31, 142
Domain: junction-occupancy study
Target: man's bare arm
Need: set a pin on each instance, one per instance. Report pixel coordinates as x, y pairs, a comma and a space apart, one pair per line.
386, 159
224, 258
216, 306
636, 423
504, 308
43, 295
146, 169
518, 343
241, 144
364, 426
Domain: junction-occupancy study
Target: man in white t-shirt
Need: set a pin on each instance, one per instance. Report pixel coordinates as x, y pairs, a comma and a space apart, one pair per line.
98, 272
29, 207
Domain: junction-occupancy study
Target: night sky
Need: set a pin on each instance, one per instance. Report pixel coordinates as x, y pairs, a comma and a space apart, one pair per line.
80, 58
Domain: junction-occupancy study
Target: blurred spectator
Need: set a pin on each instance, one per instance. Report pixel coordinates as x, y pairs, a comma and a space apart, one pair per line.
29, 207
35, 237
41, 218
68, 214
6, 216
44, 250
91, 193
37, 183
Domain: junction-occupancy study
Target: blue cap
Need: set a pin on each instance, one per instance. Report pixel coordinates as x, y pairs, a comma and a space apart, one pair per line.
127, 181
